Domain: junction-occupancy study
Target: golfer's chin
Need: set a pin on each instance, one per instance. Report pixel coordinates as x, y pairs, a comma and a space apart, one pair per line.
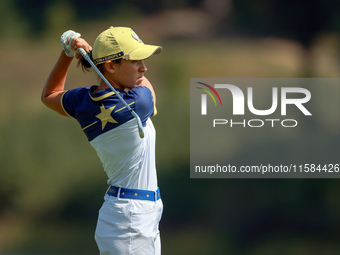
140, 79
138, 83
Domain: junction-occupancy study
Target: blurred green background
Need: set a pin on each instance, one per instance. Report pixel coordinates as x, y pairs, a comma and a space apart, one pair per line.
51, 182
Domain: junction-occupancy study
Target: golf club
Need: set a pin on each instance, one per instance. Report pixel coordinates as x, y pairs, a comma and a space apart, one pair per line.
139, 123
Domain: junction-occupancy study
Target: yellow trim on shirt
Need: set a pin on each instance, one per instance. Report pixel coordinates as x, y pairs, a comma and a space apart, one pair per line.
154, 106
102, 97
90, 125
61, 102
154, 110
124, 107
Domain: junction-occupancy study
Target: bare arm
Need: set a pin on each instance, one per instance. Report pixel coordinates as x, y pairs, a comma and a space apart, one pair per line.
54, 86
147, 84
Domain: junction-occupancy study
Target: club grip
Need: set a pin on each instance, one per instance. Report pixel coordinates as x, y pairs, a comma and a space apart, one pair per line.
83, 53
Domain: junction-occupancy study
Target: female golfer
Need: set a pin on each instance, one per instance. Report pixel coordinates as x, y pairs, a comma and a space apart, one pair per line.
129, 217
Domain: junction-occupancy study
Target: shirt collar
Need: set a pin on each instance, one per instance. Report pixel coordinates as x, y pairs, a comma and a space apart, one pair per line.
103, 94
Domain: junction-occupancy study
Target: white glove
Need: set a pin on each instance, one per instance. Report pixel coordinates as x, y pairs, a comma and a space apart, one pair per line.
69, 51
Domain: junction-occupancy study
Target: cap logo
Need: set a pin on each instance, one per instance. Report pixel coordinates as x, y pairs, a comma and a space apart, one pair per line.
109, 57
135, 36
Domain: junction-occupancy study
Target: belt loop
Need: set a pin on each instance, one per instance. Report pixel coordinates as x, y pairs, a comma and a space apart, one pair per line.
108, 189
118, 192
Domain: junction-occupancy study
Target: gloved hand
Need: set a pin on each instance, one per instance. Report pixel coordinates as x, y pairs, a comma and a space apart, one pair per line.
67, 46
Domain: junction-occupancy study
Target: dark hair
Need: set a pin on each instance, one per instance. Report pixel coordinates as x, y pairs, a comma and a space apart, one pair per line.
87, 67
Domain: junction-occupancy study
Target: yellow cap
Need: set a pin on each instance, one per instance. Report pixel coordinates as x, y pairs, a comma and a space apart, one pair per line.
121, 42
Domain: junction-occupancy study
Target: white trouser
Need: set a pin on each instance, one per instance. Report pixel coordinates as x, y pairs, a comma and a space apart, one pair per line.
129, 226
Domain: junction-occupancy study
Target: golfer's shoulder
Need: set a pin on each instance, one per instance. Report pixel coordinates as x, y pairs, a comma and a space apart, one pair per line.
140, 92
78, 92
76, 96
81, 90
141, 95
143, 101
